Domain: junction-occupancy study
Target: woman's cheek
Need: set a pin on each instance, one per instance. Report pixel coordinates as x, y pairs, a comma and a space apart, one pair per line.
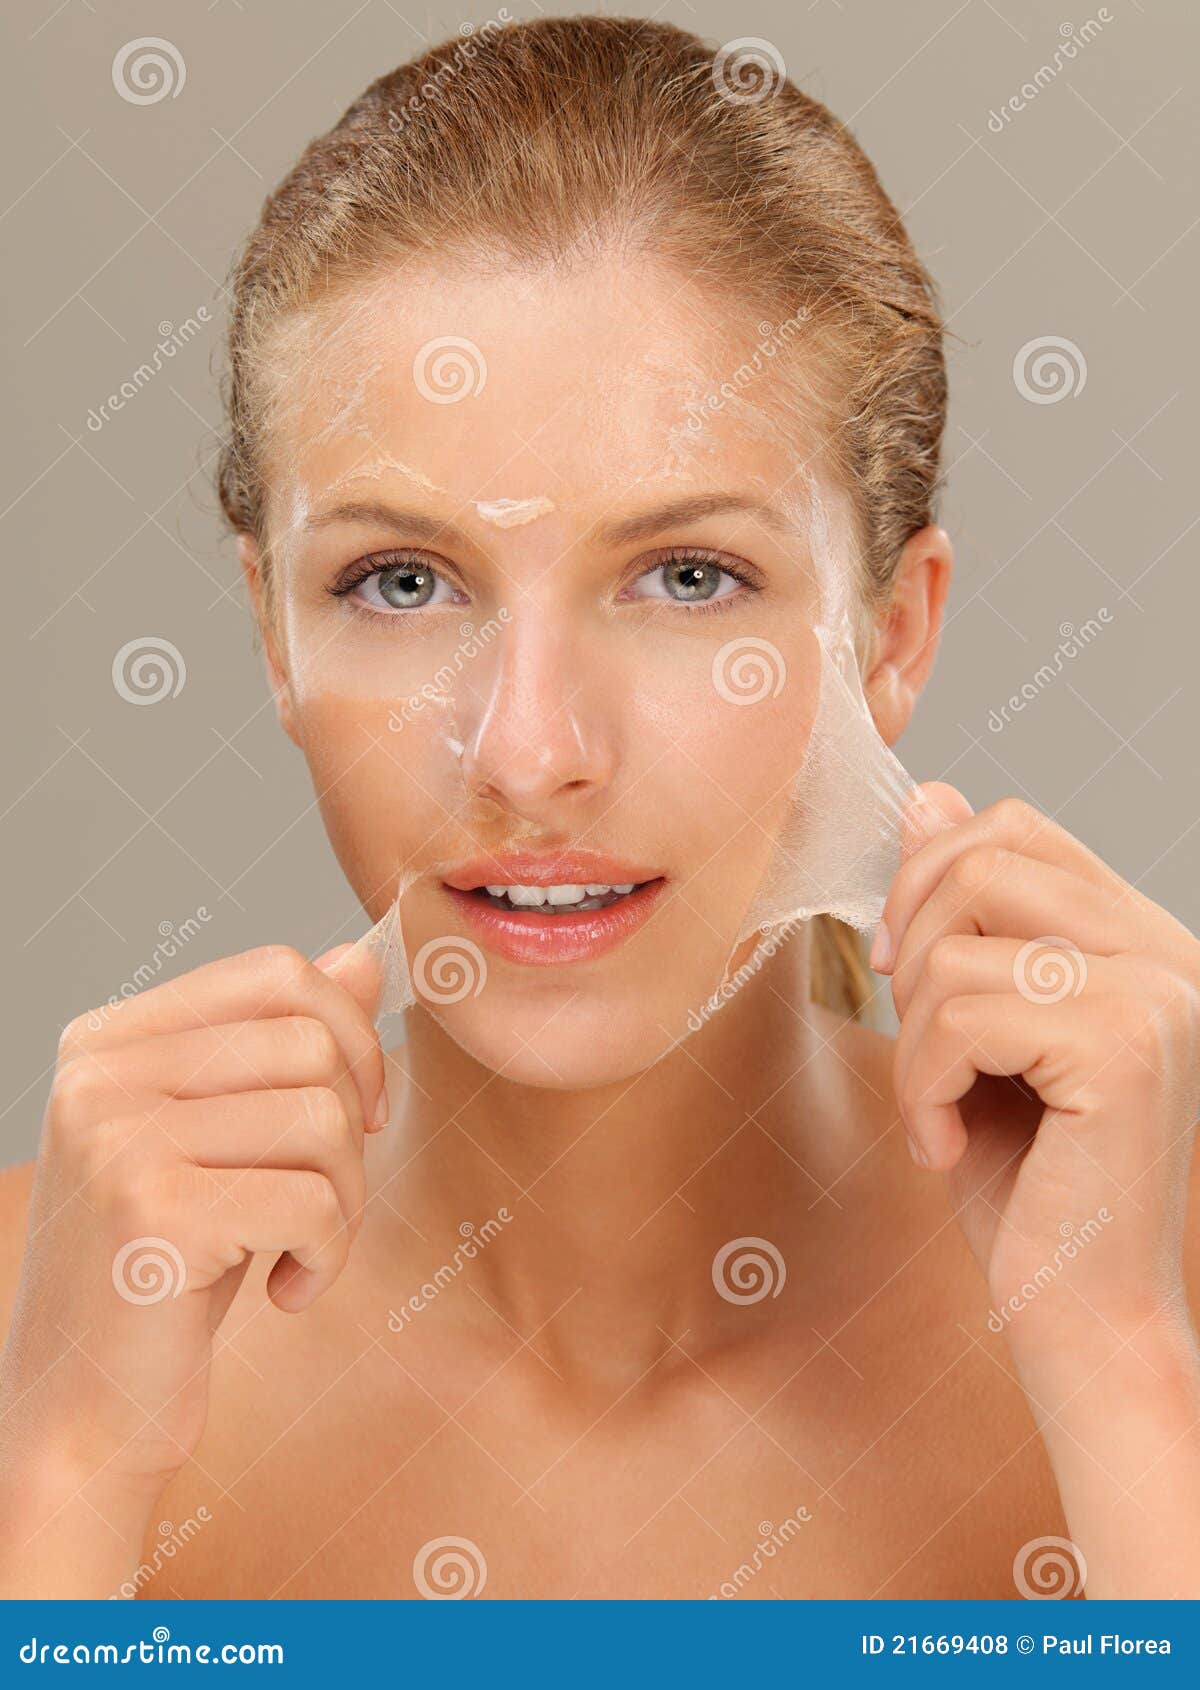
379, 783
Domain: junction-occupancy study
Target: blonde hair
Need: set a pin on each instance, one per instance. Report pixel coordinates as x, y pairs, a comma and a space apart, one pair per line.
543, 142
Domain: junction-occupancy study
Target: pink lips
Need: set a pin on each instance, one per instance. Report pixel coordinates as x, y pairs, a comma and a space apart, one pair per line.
534, 940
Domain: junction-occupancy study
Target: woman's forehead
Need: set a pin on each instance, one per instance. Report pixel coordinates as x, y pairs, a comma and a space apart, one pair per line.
526, 387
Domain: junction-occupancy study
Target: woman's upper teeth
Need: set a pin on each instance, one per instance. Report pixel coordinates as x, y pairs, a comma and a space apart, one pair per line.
533, 895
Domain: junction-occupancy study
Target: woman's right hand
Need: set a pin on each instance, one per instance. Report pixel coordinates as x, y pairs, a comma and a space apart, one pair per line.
212, 1117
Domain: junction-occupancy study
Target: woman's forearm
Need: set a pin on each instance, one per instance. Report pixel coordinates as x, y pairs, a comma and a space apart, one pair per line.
65, 1535
1122, 1428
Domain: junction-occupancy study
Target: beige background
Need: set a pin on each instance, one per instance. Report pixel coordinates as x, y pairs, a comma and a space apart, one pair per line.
1073, 217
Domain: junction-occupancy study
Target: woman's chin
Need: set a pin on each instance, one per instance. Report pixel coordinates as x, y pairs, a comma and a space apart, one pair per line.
579, 1049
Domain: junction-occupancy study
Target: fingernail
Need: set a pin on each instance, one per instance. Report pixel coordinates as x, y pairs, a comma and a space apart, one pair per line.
880, 957
382, 1110
917, 1151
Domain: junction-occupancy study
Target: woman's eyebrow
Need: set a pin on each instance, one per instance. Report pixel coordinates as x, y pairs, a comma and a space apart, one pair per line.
679, 512
377, 514
625, 531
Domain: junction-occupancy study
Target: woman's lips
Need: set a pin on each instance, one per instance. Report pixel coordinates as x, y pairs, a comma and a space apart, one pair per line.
536, 940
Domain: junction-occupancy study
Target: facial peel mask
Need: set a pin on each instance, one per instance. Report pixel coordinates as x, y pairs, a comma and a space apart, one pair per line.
822, 838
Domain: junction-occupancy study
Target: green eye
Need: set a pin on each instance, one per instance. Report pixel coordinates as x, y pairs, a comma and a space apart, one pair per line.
686, 580
401, 586
406, 589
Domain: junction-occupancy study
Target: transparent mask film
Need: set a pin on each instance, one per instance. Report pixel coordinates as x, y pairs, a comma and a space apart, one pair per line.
469, 715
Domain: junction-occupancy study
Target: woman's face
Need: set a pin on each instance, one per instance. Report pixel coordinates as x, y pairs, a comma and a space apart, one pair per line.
543, 619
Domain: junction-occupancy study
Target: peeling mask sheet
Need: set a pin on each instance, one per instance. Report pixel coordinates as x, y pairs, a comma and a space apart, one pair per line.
819, 820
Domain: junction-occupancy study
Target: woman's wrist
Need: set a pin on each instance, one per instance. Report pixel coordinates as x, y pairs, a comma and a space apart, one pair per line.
1121, 1425
69, 1532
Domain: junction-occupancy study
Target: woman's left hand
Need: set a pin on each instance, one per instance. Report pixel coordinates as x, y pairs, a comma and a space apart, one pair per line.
1049, 1062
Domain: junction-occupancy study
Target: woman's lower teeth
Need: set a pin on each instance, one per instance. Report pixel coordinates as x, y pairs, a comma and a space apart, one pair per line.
553, 900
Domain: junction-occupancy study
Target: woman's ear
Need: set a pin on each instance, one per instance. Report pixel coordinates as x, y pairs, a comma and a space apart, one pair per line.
907, 640
251, 562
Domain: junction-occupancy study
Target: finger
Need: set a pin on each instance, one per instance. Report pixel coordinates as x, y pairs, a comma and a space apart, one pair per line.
272, 982
1011, 825
996, 892
295, 1212
307, 1127
964, 965
289, 1050
1058, 1049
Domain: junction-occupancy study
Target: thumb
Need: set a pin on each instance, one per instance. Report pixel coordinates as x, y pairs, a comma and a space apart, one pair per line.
934, 807
357, 969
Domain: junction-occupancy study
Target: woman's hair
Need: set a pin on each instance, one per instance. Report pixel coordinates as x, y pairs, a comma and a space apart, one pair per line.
547, 142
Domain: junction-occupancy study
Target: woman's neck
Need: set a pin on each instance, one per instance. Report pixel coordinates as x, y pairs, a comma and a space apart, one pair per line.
621, 1195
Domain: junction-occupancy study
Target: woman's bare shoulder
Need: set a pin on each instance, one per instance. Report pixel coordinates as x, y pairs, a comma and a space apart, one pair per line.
16, 1188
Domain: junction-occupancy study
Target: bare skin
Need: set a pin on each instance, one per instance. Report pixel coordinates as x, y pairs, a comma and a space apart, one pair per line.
577, 1396
606, 1429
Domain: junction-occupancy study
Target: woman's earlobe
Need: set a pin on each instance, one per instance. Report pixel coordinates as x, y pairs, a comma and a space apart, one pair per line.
907, 642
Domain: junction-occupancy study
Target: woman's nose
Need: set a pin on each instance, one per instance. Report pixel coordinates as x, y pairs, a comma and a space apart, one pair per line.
536, 739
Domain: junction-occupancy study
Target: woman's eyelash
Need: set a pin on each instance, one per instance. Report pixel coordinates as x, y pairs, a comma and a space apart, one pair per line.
363, 568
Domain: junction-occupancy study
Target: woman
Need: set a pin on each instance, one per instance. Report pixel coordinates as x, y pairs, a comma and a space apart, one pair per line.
558, 1299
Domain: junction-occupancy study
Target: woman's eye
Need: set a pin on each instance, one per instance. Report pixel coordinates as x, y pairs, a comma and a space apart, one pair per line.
686, 580
403, 586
